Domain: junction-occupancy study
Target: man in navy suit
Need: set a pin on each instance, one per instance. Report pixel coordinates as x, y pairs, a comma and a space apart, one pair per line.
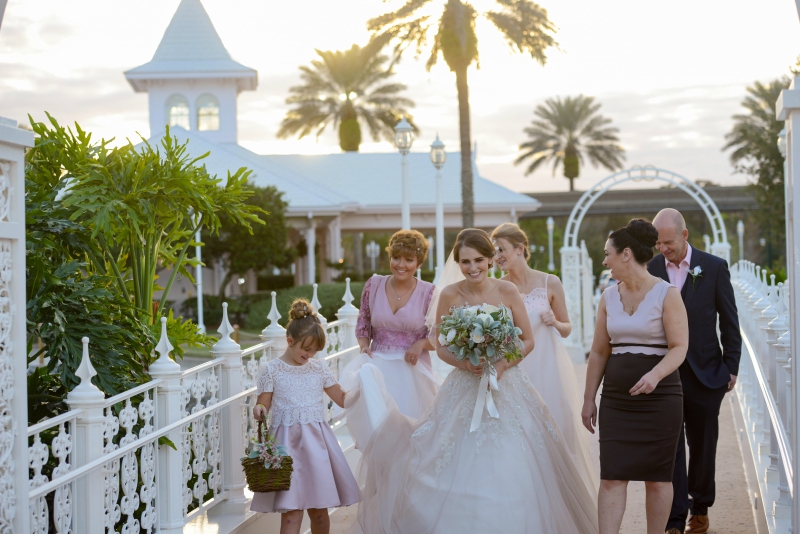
708, 372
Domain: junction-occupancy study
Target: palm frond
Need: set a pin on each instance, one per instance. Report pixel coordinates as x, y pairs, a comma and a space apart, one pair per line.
525, 26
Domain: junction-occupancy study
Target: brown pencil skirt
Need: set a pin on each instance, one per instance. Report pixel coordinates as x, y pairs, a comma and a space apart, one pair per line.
638, 434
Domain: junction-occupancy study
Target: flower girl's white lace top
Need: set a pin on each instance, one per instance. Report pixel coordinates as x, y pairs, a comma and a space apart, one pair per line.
296, 391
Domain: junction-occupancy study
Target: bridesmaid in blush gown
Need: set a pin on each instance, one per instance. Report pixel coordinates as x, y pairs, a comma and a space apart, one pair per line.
391, 327
548, 366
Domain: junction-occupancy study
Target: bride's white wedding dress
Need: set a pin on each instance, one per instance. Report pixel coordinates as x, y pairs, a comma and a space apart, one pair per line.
513, 474
551, 372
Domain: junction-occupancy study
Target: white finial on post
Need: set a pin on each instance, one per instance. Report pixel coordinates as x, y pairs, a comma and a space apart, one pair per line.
318, 306
348, 297
164, 364
85, 391
225, 344
348, 313
274, 332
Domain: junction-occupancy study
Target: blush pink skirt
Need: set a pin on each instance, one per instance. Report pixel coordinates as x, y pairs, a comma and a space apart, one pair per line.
321, 477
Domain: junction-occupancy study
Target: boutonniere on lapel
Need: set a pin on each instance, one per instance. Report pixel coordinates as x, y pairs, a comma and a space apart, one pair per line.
696, 273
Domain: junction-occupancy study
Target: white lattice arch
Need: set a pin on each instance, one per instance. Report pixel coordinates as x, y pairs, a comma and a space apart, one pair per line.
645, 174
576, 266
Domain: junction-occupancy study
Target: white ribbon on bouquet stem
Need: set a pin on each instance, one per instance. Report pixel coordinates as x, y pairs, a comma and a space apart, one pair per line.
488, 383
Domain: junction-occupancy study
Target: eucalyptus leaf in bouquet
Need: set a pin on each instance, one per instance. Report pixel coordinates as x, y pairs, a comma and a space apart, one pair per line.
481, 333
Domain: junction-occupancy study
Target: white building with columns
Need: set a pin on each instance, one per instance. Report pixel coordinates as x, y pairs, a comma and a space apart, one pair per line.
192, 83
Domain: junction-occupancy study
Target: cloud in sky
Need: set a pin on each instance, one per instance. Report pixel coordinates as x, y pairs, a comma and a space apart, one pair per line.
669, 75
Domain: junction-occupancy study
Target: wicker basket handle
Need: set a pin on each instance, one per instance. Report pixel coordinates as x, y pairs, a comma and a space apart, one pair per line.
261, 424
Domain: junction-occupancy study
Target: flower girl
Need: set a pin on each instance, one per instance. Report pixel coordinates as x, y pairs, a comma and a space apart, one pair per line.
292, 386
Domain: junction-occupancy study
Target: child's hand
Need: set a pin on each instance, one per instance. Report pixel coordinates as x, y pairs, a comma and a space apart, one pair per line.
260, 412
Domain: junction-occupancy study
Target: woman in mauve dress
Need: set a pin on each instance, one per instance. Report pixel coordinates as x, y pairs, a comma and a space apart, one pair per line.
391, 327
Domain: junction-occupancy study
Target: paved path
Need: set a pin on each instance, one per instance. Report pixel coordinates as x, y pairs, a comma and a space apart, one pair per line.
732, 513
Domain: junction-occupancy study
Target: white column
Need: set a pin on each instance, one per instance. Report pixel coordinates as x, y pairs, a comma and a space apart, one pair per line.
232, 423
13, 357
169, 500
334, 244
788, 109
551, 266
570, 277
88, 435
198, 278
439, 222
311, 242
406, 209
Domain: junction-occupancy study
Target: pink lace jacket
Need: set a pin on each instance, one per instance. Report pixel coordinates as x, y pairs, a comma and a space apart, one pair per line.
387, 330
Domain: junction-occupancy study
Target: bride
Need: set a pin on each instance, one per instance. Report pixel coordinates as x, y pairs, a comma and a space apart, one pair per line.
513, 474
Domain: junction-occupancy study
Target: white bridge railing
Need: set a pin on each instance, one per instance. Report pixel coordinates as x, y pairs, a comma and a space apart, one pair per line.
155, 457
764, 389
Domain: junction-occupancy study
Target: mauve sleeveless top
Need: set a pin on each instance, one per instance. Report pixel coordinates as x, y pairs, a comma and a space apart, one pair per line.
632, 333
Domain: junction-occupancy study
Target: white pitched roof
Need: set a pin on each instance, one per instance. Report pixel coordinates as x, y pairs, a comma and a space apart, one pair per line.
191, 48
349, 182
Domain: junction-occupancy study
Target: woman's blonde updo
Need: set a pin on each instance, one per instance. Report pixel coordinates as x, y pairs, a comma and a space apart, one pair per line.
304, 326
408, 244
514, 235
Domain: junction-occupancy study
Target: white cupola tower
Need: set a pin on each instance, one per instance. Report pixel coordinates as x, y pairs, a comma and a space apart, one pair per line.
192, 81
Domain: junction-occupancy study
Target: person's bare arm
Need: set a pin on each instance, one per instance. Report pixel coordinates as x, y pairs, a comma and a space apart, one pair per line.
676, 327
596, 369
558, 317
263, 404
337, 394
510, 294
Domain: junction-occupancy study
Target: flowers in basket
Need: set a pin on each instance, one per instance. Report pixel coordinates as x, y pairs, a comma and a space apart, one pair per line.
481, 333
271, 454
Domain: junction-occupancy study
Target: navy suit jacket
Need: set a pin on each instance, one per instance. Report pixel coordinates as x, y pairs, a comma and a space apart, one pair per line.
705, 298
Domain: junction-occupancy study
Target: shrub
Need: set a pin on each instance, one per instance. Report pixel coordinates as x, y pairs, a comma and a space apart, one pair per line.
330, 297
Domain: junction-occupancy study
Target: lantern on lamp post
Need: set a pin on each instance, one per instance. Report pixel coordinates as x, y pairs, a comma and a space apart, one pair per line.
403, 137
438, 157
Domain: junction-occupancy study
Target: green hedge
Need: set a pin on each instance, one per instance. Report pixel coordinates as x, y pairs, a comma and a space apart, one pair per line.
330, 297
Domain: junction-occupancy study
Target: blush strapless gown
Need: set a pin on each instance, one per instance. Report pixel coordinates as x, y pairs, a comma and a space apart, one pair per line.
552, 374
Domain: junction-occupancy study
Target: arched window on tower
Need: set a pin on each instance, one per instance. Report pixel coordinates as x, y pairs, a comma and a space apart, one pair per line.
207, 113
178, 111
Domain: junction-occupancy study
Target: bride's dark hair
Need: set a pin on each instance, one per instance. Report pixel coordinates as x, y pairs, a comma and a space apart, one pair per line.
476, 239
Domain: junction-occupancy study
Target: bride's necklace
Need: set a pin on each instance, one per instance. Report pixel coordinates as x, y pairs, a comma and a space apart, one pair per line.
404, 294
630, 306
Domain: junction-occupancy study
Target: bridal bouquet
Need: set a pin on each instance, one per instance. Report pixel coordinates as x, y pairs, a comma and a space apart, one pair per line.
481, 333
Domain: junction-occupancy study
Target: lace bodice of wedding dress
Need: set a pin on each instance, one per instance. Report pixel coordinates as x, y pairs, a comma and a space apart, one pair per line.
553, 375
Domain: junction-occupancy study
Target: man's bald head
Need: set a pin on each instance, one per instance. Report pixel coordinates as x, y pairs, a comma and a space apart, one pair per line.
670, 217
672, 235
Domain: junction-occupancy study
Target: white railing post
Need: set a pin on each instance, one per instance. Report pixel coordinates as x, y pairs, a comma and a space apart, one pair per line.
88, 446
169, 499
318, 306
349, 314
571, 278
275, 332
233, 429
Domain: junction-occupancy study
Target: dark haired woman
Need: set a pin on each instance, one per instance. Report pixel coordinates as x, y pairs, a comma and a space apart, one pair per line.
640, 340
510, 472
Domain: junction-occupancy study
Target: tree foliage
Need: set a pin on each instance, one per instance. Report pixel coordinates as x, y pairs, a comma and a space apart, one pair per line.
266, 247
98, 221
447, 27
345, 89
566, 133
754, 140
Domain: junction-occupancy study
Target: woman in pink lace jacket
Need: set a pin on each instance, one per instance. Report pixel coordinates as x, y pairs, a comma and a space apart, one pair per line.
391, 326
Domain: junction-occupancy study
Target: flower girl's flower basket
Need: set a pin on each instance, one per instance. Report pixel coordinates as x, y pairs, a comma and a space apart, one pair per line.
267, 466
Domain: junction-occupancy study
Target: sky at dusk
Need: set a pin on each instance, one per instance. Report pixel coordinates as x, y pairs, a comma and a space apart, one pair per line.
669, 74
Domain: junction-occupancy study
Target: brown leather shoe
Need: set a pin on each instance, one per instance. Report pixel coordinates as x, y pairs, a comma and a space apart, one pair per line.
698, 524
673, 531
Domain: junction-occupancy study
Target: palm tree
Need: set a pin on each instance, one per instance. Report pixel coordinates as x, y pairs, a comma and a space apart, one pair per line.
565, 132
343, 88
449, 25
753, 139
